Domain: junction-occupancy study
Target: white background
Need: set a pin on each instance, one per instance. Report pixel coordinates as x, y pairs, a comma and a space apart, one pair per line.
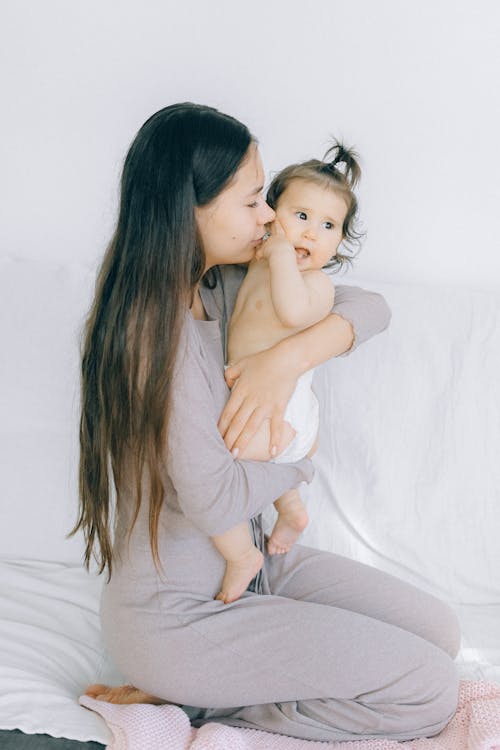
413, 85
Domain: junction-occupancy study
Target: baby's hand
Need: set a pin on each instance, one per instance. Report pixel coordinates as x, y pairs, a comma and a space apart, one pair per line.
276, 242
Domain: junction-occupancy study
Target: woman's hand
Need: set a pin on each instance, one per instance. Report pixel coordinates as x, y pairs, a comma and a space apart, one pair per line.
262, 387
264, 383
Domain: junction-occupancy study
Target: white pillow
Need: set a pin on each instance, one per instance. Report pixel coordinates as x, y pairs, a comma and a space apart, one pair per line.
50, 650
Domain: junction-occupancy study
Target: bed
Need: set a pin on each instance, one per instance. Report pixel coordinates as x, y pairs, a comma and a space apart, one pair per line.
408, 480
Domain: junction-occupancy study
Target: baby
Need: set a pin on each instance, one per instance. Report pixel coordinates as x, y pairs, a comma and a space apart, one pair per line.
286, 290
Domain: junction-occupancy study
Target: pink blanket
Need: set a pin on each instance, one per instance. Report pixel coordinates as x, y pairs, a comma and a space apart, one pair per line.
475, 726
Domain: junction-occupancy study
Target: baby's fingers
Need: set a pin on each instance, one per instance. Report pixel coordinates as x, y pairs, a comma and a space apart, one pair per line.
276, 228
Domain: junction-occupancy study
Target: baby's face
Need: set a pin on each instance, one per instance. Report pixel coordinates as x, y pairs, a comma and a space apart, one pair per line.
312, 217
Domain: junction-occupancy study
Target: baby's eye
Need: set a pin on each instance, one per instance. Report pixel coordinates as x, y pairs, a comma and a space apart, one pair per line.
253, 205
302, 215
328, 225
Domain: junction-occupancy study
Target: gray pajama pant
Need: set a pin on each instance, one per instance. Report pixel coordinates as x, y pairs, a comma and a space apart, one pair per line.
331, 650
349, 650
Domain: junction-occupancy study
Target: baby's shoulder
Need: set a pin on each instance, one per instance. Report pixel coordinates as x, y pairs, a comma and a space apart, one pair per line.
319, 273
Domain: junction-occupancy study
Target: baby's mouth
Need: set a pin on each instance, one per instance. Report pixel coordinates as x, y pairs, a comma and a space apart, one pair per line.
302, 252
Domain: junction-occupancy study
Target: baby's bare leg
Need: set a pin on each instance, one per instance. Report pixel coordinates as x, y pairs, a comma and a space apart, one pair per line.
243, 561
292, 518
258, 448
291, 522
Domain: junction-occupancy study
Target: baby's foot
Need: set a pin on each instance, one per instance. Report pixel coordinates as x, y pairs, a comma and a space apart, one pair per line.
287, 529
122, 694
238, 575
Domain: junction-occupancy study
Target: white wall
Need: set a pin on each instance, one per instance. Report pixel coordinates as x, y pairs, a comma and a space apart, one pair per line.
414, 85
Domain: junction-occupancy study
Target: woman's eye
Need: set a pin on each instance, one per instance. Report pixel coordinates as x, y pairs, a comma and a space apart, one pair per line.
302, 215
256, 203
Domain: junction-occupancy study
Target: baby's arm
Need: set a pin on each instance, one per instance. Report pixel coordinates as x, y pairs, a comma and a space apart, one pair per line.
300, 299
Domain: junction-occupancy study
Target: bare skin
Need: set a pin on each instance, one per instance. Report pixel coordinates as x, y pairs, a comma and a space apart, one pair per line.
291, 522
292, 519
239, 573
122, 694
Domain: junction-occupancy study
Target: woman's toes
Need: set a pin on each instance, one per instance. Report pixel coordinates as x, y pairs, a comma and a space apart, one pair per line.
93, 691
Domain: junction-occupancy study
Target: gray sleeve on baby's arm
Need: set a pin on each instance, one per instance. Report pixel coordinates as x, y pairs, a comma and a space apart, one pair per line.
368, 312
214, 490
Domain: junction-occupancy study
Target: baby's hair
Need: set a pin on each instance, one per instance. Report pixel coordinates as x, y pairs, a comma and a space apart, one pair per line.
339, 170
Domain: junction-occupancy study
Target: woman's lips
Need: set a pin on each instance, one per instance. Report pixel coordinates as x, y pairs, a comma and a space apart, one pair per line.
257, 242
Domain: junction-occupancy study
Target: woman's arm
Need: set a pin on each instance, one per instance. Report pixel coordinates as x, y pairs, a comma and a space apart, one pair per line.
263, 383
367, 312
215, 491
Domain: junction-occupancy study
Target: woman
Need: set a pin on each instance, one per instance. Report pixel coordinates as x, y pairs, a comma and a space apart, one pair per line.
320, 647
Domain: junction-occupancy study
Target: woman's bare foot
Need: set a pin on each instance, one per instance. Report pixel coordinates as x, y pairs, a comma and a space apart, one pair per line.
122, 694
287, 529
238, 575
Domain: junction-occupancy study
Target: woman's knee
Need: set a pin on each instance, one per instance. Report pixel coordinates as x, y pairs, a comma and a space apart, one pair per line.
440, 696
431, 698
425, 698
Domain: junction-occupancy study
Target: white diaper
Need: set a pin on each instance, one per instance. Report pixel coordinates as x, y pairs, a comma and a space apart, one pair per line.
303, 414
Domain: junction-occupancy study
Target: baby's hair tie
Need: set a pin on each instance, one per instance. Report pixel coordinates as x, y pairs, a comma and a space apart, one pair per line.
340, 166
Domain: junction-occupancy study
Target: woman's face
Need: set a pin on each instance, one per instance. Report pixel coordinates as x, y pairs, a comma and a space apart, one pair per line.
233, 224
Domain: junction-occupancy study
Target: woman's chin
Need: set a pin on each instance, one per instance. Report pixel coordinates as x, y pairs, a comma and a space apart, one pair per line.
247, 255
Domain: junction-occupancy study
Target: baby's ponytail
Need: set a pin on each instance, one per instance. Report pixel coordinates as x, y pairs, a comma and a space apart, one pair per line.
345, 162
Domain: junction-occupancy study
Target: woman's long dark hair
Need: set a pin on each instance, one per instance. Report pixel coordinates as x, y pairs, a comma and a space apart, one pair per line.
182, 157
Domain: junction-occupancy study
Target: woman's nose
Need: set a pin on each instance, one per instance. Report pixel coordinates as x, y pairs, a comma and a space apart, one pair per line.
267, 214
